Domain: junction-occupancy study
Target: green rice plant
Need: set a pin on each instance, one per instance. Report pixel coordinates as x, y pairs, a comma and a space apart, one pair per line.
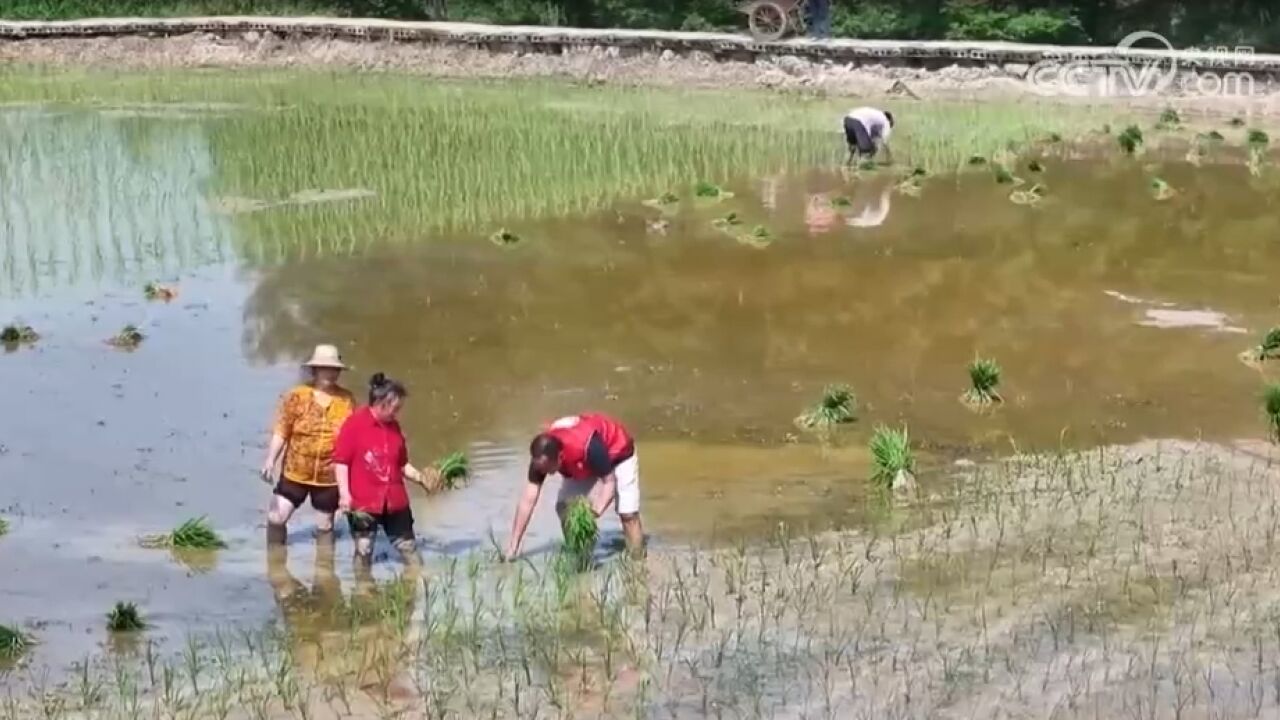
976, 160
1212, 136
1257, 137
667, 198
840, 201
13, 643
194, 534
1035, 166
1236, 122
454, 469
1269, 348
1002, 175
1053, 137
505, 238
730, 220
1169, 119
15, 334
157, 291
891, 456
128, 338
759, 237
124, 617
837, 406
4, 527
867, 165
580, 532
1161, 190
705, 189
984, 378
1130, 140
1271, 407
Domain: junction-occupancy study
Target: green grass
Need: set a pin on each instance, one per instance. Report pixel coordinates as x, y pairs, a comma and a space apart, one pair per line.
1269, 348
580, 532
454, 469
14, 334
125, 617
837, 406
1130, 140
1271, 407
890, 455
13, 643
73, 9
194, 534
984, 378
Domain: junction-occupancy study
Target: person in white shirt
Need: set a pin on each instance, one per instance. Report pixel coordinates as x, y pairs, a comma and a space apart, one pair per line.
866, 131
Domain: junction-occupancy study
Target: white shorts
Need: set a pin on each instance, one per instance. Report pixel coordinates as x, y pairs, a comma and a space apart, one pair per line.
627, 499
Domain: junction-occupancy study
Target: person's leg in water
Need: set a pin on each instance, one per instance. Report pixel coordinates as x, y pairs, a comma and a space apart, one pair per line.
324, 500
627, 503
363, 529
398, 526
285, 499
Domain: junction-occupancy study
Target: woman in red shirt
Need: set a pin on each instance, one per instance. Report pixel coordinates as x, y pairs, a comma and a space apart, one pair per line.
370, 462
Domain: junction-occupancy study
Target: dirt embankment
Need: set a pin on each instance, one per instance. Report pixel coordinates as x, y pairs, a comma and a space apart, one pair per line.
588, 64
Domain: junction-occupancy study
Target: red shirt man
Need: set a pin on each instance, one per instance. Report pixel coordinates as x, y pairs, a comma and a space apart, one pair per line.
596, 457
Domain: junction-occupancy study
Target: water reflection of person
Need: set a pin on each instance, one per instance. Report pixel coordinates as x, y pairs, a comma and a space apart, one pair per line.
307, 612
868, 210
819, 216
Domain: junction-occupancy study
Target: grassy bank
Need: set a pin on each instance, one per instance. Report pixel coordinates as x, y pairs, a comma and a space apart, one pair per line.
465, 156
1106, 584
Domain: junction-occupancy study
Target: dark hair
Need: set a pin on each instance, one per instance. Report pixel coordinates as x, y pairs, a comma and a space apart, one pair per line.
382, 387
889, 116
545, 446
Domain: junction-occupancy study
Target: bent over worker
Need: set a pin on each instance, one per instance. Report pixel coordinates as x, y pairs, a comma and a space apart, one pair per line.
596, 457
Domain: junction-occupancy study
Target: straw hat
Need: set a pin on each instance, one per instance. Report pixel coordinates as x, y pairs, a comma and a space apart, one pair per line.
325, 356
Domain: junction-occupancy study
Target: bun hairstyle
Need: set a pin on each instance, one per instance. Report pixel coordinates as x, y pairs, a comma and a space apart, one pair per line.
889, 116
382, 388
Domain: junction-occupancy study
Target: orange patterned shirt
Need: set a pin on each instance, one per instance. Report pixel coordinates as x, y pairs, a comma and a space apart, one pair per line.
309, 432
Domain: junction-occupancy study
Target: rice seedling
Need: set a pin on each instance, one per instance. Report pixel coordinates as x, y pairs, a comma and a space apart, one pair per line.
976, 160
984, 378
128, 338
1035, 166
1031, 196
505, 238
194, 534
759, 237
1161, 190
1256, 137
1212, 136
125, 617
1169, 119
1130, 140
892, 460
1053, 138
1269, 348
666, 198
18, 334
1236, 122
1271, 407
867, 165
454, 469
4, 527
840, 201
837, 406
13, 643
1003, 176
730, 220
157, 291
580, 532
918, 172
710, 191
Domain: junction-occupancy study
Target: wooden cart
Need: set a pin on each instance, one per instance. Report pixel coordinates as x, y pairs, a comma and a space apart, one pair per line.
771, 19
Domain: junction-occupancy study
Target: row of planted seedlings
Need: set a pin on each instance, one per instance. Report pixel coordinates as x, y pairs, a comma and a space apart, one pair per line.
17, 334
1042, 572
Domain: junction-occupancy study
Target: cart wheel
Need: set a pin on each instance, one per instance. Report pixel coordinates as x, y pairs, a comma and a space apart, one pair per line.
768, 21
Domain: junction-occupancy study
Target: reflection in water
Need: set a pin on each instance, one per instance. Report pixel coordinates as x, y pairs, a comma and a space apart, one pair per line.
85, 196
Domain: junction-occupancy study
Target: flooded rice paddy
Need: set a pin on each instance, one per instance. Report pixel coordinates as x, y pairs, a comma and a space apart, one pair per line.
1116, 318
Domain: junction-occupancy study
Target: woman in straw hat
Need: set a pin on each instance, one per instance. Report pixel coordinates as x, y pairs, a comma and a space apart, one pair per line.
302, 440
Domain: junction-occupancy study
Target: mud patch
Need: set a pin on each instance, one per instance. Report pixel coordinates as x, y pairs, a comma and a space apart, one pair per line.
233, 205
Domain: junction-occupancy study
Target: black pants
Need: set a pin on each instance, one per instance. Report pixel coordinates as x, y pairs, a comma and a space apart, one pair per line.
323, 498
858, 139
398, 524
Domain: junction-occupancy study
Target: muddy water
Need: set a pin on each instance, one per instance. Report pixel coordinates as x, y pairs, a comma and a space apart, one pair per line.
1114, 316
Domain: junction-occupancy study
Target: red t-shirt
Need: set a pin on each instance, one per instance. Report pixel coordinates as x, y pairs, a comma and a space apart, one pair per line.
376, 454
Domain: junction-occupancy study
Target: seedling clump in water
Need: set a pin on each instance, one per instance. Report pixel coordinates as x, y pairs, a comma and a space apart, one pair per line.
728, 221
124, 617
4, 527
580, 532
1003, 176
1257, 137
504, 238
156, 291
984, 377
1130, 140
892, 458
18, 334
13, 643
1035, 166
1271, 406
759, 237
454, 469
194, 534
977, 160
1169, 119
710, 191
1161, 190
837, 407
128, 338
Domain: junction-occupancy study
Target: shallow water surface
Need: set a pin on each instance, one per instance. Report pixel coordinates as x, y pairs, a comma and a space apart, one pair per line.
1115, 317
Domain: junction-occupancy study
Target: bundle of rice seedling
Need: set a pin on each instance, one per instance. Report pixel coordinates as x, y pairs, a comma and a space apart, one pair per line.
1035, 166
580, 532
837, 406
124, 617
984, 377
14, 334
891, 457
1169, 119
504, 238
1130, 140
1236, 122
1161, 190
730, 220
1271, 407
840, 201
156, 291
194, 534
759, 237
977, 160
1269, 348
13, 642
4, 527
710, 191
454, 469
1257, 137
128, 338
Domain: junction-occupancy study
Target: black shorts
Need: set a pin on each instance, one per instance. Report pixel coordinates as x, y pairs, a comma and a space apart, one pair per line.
323, 499
398, 525
856, 135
